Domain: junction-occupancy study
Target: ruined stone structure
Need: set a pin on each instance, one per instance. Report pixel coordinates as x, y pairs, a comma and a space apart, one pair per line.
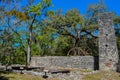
81, 62
108, 53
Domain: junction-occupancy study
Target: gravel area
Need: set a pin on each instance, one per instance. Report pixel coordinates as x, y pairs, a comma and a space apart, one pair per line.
73, 75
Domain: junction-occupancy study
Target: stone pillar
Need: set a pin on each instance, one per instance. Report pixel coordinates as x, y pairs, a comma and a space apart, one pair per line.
108, 53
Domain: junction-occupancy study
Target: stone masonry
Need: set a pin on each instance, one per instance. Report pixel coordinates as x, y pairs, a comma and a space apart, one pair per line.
108, 53
81, 62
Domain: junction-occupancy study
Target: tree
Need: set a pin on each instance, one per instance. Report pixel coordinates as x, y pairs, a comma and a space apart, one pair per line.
34, 12
70, 25
91, 21
29, 17
7, 37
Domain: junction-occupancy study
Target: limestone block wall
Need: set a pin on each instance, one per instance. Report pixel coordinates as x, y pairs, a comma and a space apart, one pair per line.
81, 62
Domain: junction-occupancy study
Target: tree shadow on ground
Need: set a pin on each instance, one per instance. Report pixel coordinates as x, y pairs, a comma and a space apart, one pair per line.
3, 78
4, 72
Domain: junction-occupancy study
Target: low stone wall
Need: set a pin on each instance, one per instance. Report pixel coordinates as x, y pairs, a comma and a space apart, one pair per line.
81, 62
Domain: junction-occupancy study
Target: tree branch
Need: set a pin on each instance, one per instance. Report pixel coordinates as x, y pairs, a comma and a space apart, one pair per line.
89, 33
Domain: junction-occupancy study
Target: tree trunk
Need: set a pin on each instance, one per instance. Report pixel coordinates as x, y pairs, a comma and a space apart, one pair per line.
76, 46
28, 54
29, 48
30, 41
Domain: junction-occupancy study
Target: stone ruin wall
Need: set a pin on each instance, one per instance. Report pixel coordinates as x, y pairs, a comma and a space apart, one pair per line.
81, 62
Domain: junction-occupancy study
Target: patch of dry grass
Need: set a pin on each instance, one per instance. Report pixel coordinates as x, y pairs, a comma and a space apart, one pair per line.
104, 75
17, 76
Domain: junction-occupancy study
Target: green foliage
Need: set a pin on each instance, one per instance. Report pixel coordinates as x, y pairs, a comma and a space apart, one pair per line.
37, 9
47, 32
73, 16
50, 13
71, 26
18, 57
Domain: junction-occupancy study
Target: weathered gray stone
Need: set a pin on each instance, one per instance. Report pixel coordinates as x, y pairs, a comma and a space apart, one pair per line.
108, 53
81, 62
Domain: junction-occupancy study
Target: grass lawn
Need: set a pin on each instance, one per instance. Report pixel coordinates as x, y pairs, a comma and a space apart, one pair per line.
105, 75
17, 76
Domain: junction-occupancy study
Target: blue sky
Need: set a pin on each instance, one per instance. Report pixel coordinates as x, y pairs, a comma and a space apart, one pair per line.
82, 5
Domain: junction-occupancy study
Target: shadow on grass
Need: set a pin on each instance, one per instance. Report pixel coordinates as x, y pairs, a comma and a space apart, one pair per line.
5, 72
3, 78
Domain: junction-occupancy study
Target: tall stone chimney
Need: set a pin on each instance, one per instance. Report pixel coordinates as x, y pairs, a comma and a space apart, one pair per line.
108, 53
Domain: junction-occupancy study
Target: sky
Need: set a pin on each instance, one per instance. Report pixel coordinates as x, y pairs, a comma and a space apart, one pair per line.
82, 5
